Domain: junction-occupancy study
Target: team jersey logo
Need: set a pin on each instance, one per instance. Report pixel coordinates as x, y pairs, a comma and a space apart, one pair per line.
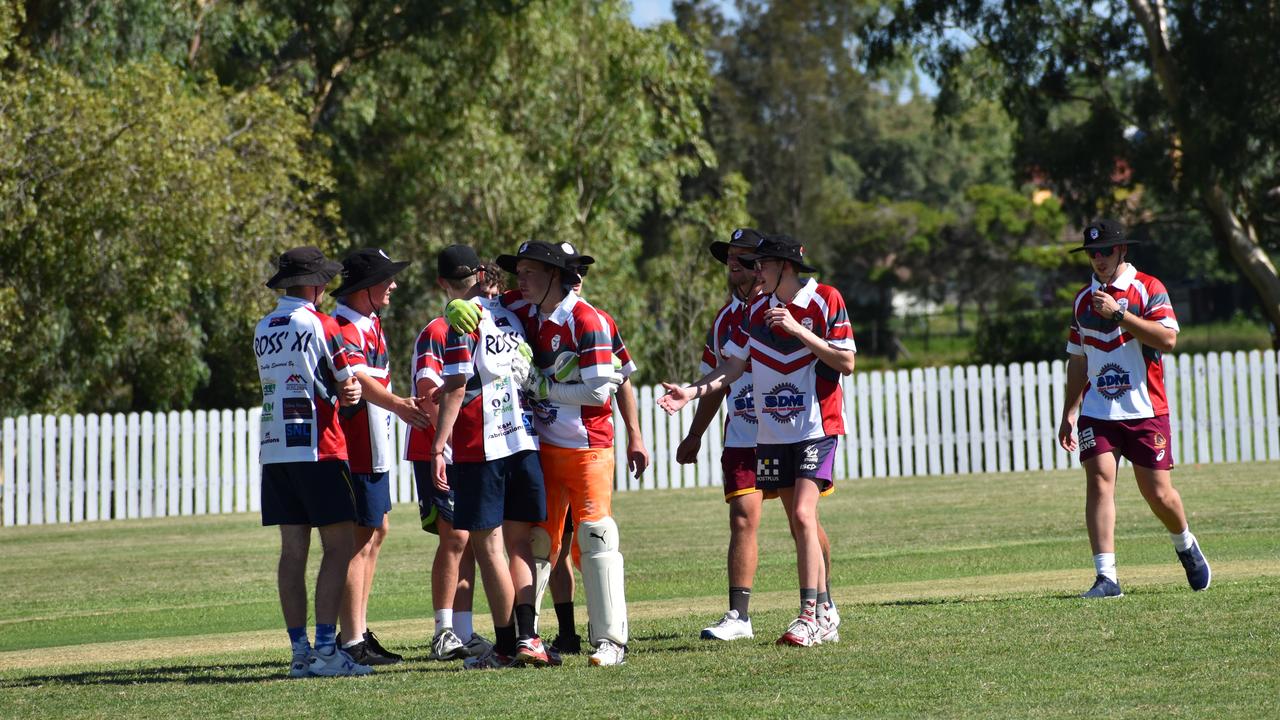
1160, 441
744, 406
555, 343
545, 412
807, 323
1112, 381
784, 402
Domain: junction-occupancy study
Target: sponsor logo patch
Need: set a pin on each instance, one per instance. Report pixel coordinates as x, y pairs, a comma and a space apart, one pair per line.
297, 435
1160, 441
769, 467
555, 343
268, 439
810, 461
545, 412
267, 412
296, 409
294, 383
1087, 441
1160, 456
744, 406
784, 402
1112, 381
807, 323
278, 321
268, 389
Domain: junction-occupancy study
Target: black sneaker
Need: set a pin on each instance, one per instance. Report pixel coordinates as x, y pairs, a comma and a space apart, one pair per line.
362, 654
371, 641
571, 645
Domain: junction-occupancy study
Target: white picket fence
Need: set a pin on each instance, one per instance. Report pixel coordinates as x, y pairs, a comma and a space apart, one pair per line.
928, 421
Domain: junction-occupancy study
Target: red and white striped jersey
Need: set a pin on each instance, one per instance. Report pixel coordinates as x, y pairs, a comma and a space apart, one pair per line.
367, 427
619, 347
428, 364
740, 421
301, 362
577, 327
797, 397
1126, 378
491, 423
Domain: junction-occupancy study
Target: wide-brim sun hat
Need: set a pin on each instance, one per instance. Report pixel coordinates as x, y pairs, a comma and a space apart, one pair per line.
746, 238
304, 266
1104, 233
365, 268
783, 247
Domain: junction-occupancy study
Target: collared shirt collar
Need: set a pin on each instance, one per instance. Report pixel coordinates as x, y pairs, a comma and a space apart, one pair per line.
292, 302
351, 314
561, 314
803, 295
1122, 281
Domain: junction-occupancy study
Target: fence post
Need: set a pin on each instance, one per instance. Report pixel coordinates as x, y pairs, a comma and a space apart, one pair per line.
960, 395
10, 475
79, 454
879, 441
1273, 422
919, 423
65, 441
892, 433
1259, 414
37, 470
147, 479
106, 474
201, 451
1017, 431
864, 462
1230, 433
133, 433
227, 460
1244, 424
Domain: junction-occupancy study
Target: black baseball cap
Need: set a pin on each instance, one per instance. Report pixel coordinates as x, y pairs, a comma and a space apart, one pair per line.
457, 262
303, 266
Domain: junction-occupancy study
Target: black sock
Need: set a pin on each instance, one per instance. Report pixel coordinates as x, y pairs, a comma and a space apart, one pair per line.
506, 640
564, 616
524, 620
740, 600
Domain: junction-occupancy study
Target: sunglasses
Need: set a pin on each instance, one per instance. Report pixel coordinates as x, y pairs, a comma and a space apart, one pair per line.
1102, 252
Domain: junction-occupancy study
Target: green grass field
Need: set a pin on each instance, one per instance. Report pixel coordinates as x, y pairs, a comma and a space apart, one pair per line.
957, 596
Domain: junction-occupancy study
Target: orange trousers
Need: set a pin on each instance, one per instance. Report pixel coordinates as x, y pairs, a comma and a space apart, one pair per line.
581, 478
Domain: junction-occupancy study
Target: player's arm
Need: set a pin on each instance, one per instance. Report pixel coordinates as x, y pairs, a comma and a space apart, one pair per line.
718, 380
451, 395
426, 402
687, 451
839, 359
1151, 333
340, 362
637, 455
404, 408
1077, 378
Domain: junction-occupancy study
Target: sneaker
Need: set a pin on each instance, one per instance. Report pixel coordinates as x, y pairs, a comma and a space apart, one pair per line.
1104, 587
1198, 573
609, 653
362, 654
446, 646
828, 624
530, 651
336, 663
478, 645
567, 645
802, 632
371, 641
729, 627
300, 666
491, 660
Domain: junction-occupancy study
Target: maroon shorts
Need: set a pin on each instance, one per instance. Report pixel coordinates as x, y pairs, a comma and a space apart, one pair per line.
1144, 441
738, 464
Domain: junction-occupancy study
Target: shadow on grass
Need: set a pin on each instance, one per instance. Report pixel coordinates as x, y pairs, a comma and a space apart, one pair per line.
217, 674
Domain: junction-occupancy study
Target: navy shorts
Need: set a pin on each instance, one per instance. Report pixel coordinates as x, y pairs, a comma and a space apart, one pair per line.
373, 498
307, 493
778, 466
433, 505
487, 493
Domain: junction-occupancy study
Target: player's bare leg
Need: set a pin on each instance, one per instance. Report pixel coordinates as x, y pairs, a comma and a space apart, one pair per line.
450, 552
1165, 501
1100, 518
802, 500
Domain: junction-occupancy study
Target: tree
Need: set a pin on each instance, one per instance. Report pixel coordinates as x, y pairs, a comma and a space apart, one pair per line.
1172, 99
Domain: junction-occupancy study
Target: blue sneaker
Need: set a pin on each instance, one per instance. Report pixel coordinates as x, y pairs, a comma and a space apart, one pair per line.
1104, 587
1198, 573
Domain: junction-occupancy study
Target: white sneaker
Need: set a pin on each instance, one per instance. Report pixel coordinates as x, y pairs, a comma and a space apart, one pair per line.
446, 646
729, 627
336, 663
802, 632
300, 666
828, 624
478, 645
609, 653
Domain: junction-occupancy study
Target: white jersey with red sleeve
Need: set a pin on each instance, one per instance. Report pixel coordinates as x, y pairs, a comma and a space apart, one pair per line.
491, 423
574, 327
301, 362
797, 397
1126, 378
367, 426
740, 422
428, 365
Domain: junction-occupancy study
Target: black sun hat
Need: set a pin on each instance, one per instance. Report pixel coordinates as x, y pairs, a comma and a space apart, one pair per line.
365, 268
558, 255
783, 247
747, 238
1104, 233
303, 266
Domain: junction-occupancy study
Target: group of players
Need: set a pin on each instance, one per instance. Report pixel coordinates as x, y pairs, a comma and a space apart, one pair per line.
511, 437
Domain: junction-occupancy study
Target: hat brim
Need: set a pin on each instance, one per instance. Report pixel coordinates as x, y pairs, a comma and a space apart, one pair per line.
749, 261
509, 262
1099, 244
368, 281
318, 277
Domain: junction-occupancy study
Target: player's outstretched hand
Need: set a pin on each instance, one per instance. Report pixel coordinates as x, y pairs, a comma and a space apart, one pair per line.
676, 398
687, 451
408, 411
1067, 434
463, 316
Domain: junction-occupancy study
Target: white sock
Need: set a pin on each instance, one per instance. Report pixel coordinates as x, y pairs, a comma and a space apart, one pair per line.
351, 643
444, 619
1105, 565
1183, 540
462, 624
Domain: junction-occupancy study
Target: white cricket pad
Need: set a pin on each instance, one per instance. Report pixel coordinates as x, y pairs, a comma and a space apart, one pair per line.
602, 579
541, 543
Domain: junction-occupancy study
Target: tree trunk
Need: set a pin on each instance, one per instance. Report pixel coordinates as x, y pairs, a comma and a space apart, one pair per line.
1241, 240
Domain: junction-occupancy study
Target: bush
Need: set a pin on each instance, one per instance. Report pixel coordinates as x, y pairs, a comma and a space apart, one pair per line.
1028, 336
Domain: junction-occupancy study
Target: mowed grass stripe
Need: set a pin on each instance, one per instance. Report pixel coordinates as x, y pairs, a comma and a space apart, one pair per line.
1058, 584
